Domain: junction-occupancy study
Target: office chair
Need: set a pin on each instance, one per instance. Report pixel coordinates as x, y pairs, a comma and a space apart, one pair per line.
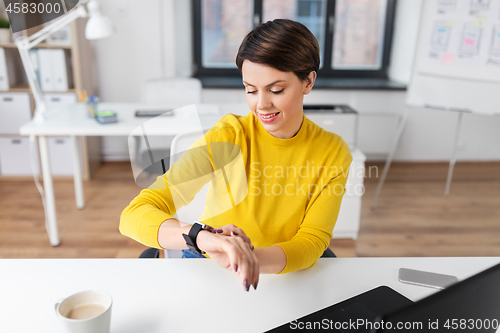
194, 209
173, 93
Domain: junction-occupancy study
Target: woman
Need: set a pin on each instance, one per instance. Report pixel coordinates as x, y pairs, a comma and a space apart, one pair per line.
294, 170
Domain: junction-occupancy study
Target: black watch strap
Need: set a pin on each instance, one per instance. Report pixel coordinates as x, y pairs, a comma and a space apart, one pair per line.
190, 238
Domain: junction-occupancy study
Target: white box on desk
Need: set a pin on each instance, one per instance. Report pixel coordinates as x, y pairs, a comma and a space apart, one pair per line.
15, 157
15, 111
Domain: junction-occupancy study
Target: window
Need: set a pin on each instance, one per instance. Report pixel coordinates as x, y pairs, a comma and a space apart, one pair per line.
224, 25
354, 35
311, 13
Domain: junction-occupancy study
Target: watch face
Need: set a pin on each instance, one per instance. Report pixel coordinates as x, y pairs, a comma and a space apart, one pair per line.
204, 226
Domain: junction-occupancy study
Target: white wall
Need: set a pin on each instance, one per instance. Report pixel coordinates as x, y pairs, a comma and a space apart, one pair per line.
154, 40
142, 48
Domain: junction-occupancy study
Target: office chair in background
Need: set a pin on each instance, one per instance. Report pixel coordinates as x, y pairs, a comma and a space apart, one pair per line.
194, 209
173, 93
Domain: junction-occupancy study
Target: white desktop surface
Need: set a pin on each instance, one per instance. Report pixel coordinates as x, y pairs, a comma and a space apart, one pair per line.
195, 295
73, 120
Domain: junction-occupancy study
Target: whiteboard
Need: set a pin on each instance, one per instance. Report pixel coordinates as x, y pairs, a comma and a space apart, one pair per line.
457, 58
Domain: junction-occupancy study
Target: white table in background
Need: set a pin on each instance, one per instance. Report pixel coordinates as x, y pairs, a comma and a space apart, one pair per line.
195, 295
73, 121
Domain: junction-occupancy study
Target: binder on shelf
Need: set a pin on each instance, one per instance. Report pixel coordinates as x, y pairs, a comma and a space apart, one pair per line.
8, 77
4, 77
59, 70
54, 69
45, 69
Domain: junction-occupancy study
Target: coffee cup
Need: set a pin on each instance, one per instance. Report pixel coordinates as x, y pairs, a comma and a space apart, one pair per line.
85, 312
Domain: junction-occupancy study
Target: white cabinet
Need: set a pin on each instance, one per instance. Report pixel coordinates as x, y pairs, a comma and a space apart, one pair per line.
60, 148
347, 225
15, 157
54, 101
61, 156
343, 124
339, 119
15, 110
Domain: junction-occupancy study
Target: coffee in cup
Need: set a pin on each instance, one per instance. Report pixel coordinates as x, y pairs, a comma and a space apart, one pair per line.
85, 312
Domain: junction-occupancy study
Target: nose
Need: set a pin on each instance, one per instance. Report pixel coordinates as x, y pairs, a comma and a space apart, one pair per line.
264, 102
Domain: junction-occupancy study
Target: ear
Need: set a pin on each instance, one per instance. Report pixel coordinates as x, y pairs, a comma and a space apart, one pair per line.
309, 82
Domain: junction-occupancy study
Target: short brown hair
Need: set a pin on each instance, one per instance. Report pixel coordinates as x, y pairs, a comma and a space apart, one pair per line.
283, 44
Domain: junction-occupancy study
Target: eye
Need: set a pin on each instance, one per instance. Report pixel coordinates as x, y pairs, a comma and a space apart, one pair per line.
277, 92
251, 92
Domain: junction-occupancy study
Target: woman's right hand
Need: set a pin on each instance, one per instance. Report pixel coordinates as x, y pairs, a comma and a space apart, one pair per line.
232, 252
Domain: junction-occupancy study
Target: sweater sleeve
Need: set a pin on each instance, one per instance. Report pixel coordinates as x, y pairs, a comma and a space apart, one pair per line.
315, 232
142, 218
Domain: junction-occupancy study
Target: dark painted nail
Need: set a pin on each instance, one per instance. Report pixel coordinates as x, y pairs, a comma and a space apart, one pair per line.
247, 285
253, 247
235, 267
255, 285
234, 233
219, 231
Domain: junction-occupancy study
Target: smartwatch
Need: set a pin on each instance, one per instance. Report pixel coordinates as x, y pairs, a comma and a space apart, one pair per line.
193, 233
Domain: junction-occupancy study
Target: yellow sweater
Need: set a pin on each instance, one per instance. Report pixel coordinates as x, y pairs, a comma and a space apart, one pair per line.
284, 192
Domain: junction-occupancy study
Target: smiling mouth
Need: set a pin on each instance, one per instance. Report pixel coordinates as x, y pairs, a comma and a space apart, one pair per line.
270, 115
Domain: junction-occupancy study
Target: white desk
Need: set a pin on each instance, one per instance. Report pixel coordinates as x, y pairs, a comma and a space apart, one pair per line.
73, 121
181, 295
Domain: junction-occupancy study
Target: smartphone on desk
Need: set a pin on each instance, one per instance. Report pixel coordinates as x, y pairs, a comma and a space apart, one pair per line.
426, 279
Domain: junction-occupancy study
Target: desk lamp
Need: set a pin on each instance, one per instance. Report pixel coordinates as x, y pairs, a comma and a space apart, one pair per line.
98, 26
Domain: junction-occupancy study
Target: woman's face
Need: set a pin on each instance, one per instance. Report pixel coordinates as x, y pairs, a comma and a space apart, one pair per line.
276, 97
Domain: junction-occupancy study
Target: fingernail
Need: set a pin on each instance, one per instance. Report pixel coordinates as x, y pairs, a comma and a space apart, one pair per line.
255, 285
253, 247
234, 233
219, 231
247, 285
235, 267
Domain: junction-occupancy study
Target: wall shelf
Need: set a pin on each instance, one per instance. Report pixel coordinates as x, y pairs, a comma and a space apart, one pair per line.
12, 45
24, 87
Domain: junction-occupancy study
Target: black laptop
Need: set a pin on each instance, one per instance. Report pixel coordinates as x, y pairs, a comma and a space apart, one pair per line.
472, 305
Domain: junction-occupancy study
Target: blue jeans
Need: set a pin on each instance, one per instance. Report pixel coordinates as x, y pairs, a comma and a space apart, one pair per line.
191, 254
